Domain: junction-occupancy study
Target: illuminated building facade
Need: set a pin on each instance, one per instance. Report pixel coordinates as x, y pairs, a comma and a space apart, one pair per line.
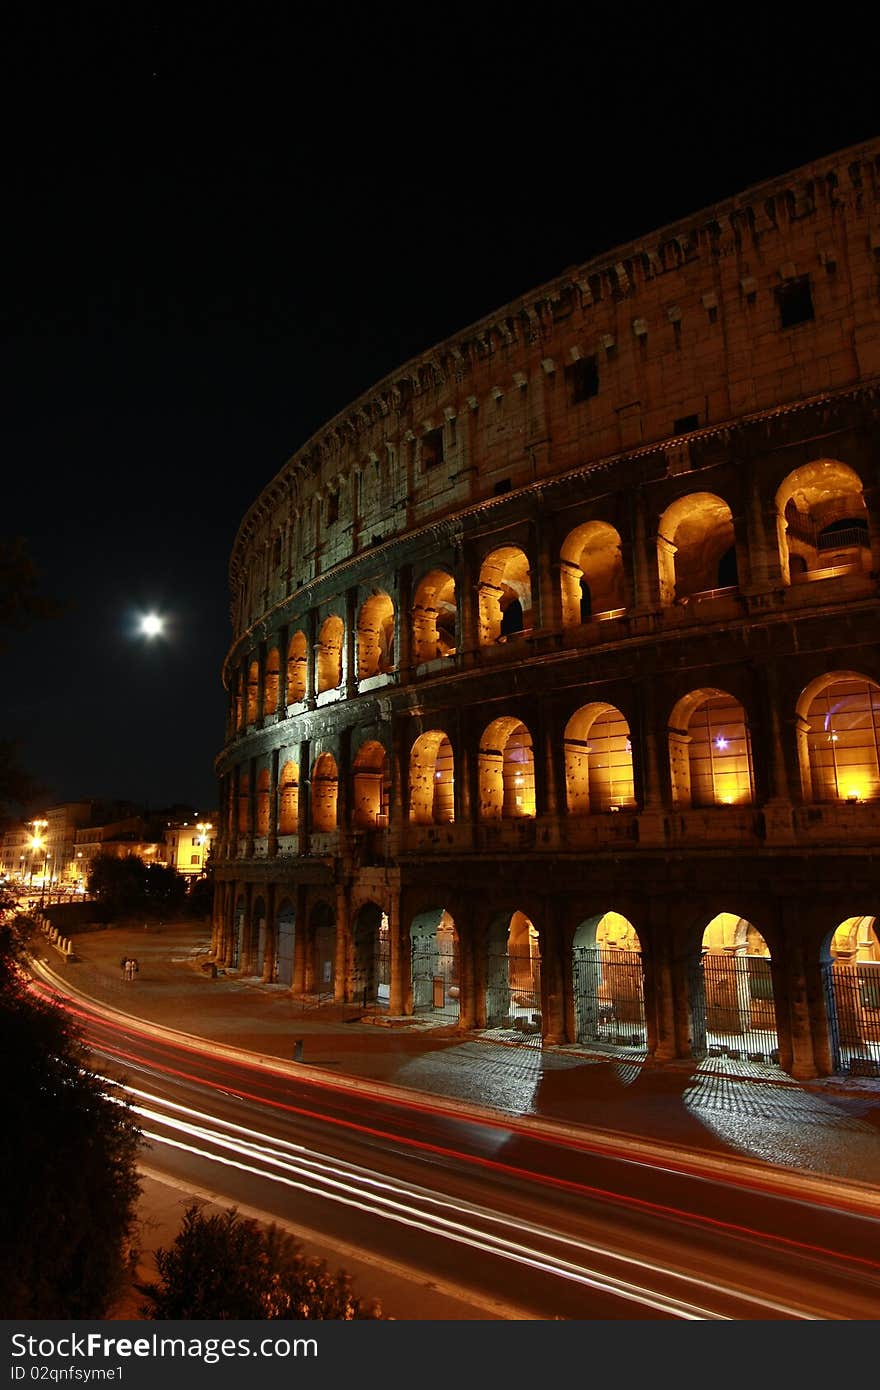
554, 693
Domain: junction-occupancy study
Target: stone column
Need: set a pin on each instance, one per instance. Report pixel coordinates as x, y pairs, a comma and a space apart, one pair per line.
552, 991
311, 642
467, 1000
872, 502
466, 596
271, 935
343, 942
398, 958
549, 594
300, 941
261, 683
652, 829
645, 581
274, 760
794, 980
283, 644
304, 797
404, 624
778, 812
350, 645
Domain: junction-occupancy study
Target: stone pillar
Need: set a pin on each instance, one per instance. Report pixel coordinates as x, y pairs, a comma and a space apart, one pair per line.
549, 591
404, 624
643, 562
271, 935
311, 642
261, 684
466, 594
552, 989
795, 988
344, 787
274, 761
251, 808
872, 502
399, 958
652, 830
467, 999
300, 941
283, 644
778, 813
760, 556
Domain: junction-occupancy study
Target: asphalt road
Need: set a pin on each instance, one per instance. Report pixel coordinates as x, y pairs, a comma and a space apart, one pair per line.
529, 1221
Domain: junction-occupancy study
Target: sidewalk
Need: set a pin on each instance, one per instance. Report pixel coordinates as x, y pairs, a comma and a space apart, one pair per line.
825, 1128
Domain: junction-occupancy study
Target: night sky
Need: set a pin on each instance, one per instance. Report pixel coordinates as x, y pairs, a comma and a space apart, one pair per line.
219, 231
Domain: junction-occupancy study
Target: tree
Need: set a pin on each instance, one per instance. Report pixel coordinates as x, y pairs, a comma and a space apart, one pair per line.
222, 1265
68, 1153
128, 887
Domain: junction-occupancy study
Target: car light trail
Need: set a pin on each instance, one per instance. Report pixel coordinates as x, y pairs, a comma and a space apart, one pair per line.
410, 1205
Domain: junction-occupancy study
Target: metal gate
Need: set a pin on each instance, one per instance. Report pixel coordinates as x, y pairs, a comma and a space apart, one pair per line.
434, 975
371, 976
609, 996
855, 1014
732, 1009
513, 990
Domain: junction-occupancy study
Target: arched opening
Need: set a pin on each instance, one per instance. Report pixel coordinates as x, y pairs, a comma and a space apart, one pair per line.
259, 931
371, 970
262, 827
431, 780
591, 574
285, 942
297, 668
513, 975
272, 681
436, 984
732, 1007
505, 593
839, 738
329, 654
696, 552
371, 779
506, 771
288, 799
598, 761
822, 522
375, 637
237, 933
325, 787
244, 804
609, 992
253, 691
854, 996
320, 974
710, 751
434, 617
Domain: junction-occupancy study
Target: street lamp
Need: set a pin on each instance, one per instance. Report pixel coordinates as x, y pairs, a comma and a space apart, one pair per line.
203, 826
36, 843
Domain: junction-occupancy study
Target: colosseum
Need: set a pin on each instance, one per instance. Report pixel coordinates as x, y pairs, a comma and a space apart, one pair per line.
554, 689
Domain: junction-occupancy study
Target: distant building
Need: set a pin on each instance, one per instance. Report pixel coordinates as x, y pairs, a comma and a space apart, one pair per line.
188, 845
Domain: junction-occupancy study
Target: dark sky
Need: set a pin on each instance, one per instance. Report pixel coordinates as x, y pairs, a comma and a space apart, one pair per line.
219, 230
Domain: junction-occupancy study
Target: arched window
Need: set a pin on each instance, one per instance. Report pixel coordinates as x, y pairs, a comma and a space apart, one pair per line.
371, 779
696, 552
732, 1004
431, 780
434, 617
609, 998
297, 668
329, 654
270, 690
505, 587
253, 690
710, 754
262, 827
591, 573
839, 737
325, 785
506, 771
288, 799
821, 522
598, 761
375, 637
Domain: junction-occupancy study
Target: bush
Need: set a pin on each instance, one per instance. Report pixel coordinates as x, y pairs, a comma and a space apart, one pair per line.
226, 1266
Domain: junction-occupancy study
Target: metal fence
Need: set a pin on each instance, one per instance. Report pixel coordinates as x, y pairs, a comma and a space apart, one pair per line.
435, 979
732, 1009
853, 997
513, 990
609, 996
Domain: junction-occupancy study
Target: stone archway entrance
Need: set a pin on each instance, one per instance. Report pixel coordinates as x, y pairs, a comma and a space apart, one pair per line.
237, 933
853, 996
370, 981
259, 931
285, 943
733, 1013
435, 966
513, 975
609, 993
321, 962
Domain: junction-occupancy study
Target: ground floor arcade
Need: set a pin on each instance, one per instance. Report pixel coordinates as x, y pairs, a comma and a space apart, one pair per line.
791, 980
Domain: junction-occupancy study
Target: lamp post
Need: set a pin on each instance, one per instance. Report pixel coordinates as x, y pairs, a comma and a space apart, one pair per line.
203, 827
37, 842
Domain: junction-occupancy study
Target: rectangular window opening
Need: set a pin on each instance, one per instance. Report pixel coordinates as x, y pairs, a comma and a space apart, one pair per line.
583, 379
795, 300
432, 449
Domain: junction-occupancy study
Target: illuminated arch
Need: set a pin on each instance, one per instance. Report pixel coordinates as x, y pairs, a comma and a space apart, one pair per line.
325, 789
695, 547
608, 982
434, 967
375, 637
431, 780
513, 973
371, 785
506, 770
591, 573
329, 654
297, 668
821, 522
505, 594
839, 738
710, 752
271, 682
434, 617
288, 799
598, 761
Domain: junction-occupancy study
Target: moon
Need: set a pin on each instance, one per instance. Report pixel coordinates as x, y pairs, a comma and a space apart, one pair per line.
151, 625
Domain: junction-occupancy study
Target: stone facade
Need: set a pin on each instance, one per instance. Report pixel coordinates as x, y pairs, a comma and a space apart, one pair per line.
554, 693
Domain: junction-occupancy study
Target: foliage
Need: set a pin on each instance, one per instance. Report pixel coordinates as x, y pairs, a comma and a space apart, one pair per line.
225, 1266
200, 897
68, 1154
126, 887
